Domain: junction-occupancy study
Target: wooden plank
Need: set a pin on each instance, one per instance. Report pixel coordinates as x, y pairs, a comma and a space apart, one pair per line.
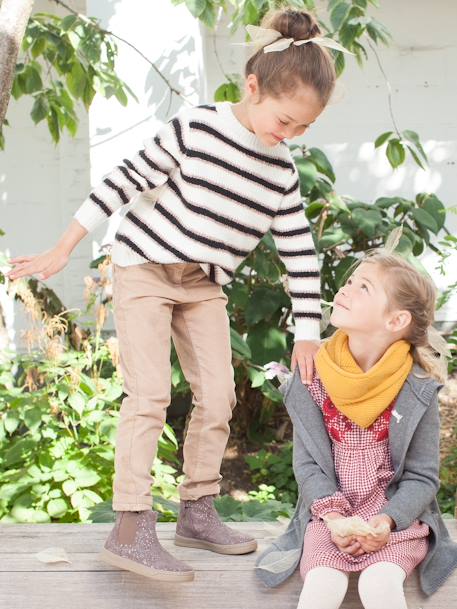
221, 582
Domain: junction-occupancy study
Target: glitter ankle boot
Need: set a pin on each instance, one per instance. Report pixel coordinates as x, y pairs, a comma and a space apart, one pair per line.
199, 526
133, 545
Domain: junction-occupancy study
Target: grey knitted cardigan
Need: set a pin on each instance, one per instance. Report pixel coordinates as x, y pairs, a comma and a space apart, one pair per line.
414, 445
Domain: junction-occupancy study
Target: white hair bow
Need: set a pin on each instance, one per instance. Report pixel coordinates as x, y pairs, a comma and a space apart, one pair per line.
274, 41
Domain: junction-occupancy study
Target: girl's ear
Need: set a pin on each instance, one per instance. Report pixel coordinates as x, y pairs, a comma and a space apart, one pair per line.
252, 87
398, 320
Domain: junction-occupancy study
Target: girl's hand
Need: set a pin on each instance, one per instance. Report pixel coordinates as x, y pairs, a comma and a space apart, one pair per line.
43, 265
303, 355
347, 544
370, 543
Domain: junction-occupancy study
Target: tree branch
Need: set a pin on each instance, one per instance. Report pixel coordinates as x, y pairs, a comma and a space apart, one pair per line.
14, 15
109, 33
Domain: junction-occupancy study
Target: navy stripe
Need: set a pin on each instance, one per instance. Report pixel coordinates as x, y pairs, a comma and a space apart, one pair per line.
290, 210
212, 273
311, 295
307, 315
157, 142
178, 134
133, 246
307, 252
229, 194
210, 214
292, 188
261, 157
124, 172
291, 233
105, 209
208, 107
145, 228
118, 189
303, 274
218, 245
234, 169
132, 167
150, 162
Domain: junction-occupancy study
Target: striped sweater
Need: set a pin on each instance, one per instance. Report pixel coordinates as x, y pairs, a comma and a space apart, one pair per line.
206, 190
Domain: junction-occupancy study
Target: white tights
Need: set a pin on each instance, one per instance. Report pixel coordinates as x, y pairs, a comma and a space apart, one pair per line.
380, 586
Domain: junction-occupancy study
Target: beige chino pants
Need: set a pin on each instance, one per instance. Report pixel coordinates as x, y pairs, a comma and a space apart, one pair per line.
152, 303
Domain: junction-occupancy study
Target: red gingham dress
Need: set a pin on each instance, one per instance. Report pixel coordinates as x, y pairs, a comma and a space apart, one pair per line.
364, 468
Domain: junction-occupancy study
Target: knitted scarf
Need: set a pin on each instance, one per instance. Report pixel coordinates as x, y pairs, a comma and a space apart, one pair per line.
362, 396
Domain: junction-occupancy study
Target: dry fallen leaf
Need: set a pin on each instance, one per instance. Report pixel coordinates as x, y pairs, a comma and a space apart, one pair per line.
353, 525
51, 555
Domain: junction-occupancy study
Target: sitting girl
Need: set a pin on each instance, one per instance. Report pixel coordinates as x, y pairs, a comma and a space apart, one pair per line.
366, 444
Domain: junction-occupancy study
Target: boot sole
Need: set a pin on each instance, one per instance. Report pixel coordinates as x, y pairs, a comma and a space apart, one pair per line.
236, 548
130, 565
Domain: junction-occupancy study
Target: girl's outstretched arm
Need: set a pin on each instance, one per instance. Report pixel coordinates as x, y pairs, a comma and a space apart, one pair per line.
52, 261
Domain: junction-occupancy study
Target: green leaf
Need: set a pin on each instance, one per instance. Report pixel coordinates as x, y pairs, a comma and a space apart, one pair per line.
121, 96
196, 7
413, 137
339, 14
32, 79
267, 343
76, 80
314, 209
340, 63
433, 206
424, 219
208, 17
381, 139
332, 237
67, 22
240, 348
228, 92
33, 417
264, 302
77, 402
38, 47
83, 475
57, 508
308, 174
53, 125
11, 421
395, 153
322, 163
367, 221
40, 109
257, 377
69, 487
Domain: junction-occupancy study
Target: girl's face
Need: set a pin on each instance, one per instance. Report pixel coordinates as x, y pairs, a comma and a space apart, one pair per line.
275, 119
362, 305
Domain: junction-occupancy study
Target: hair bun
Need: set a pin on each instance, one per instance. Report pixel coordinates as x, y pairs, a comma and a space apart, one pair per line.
291, 23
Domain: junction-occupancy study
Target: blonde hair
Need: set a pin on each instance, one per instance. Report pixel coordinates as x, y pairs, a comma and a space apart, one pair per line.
280, 73
410, 290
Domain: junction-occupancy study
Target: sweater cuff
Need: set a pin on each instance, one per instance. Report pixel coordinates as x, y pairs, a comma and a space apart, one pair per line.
89, 216
307, 329
333, 503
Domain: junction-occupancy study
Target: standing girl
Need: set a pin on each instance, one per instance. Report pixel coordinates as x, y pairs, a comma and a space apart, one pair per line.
212, 182
366, 444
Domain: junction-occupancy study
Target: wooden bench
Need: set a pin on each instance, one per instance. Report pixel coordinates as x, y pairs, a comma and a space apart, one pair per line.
221, 582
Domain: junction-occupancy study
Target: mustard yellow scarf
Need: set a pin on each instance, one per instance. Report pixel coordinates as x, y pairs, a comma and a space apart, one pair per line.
362, 396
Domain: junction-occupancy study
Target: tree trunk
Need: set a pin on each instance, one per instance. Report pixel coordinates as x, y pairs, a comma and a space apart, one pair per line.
14, 15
